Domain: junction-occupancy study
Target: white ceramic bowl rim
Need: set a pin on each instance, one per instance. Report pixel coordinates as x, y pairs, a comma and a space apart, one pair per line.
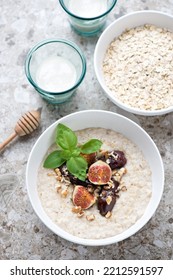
120, 25
76, 119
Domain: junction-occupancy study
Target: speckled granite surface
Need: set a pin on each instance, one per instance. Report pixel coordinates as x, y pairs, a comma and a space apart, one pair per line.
22, 234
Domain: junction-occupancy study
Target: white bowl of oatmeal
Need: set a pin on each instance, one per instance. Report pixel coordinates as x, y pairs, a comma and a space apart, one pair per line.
140, 187
134, 63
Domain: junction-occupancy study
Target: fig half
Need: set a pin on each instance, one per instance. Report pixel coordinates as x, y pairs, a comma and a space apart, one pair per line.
90, 158
82, 198
99, 173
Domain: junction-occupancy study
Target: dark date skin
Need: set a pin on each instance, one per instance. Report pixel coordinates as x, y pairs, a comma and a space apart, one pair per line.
116, 159
103, 206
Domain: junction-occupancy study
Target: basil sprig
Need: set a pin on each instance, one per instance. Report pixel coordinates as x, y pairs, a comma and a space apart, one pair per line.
69, 152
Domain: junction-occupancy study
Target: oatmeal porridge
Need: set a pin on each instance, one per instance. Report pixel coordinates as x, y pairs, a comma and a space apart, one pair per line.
138, 67
135, 188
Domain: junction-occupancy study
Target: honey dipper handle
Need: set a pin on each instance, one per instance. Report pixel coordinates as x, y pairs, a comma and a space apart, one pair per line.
8, 140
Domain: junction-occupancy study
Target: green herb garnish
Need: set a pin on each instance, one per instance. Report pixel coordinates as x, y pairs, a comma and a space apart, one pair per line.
70, 152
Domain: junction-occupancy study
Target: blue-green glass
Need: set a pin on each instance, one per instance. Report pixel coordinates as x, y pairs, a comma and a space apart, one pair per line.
87, 26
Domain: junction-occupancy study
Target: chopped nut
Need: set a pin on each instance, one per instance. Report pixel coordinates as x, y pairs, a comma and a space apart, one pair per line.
97, 192
103, 153
58, 173
65, 181
108, 187
90, 217
80, 214
50, 174
108, 215
76, 209
90, 189
64, 193
123, 188
118, 174
58, 188
108, 200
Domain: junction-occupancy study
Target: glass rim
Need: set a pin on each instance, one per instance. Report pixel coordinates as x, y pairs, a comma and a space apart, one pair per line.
45, 42
82, 18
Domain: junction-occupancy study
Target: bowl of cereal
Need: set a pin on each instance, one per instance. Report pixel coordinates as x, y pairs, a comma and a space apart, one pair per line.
133, 62
94, 177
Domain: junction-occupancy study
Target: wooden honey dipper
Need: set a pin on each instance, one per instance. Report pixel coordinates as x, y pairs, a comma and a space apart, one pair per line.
25, 125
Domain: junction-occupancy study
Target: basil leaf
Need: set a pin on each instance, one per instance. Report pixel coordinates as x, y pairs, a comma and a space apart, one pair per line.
65, 137
76, 152
91, 146
66, 154
77, 166
53, 160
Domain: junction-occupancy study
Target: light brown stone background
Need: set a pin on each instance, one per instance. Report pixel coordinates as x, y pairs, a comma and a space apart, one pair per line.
22, 234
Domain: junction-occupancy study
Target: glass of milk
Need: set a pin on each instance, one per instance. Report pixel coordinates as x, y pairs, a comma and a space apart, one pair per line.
87, 17
55, 68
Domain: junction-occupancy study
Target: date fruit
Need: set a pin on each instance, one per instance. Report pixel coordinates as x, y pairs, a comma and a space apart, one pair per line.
107, 199
116, 159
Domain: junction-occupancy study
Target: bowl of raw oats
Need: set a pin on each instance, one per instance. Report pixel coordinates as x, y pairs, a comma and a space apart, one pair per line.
133, 62
94, 177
